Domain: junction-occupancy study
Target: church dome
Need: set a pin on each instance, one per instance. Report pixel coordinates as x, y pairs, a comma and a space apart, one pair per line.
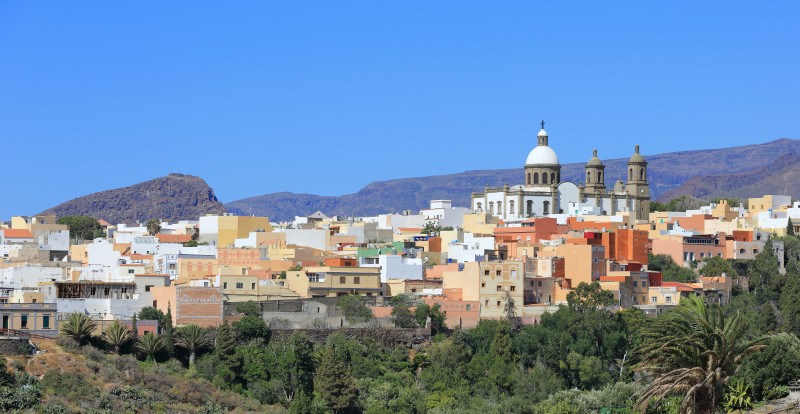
542, 154
636, 157
594, 161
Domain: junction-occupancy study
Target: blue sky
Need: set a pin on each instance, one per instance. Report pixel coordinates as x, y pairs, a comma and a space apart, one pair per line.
260, 97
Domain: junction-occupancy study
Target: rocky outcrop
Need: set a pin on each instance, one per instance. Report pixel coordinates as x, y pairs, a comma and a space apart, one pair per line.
174, 197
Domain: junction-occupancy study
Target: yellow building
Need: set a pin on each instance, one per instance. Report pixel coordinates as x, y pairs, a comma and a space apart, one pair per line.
39, 318
499, 282
330, 281
228, 228
466, 281
479, 223
768, 202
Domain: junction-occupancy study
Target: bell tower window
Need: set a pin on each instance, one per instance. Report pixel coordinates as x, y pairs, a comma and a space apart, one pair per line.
536, 178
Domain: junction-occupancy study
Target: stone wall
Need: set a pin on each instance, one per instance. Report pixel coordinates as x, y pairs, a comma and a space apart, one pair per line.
15, 346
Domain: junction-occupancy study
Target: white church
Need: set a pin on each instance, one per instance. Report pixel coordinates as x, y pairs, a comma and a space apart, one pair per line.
545, 194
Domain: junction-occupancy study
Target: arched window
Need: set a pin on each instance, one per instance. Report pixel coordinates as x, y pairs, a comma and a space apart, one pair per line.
544, 178
536, 178
529, 179
500, 208
600, 177
630, 174
641, 174
588, 178
552, 178
530, 207
546, 207
511, 207
491, 207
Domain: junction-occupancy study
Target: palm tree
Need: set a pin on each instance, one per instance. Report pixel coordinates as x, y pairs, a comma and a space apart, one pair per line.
117, 335
192, 338
150, 345
78, 327
153, 226
692, 351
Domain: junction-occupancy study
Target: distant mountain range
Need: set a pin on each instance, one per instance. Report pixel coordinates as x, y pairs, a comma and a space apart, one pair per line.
174, 197
746, 171
667, 174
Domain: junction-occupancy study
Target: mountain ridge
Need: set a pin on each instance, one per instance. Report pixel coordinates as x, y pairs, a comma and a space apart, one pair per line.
667, 171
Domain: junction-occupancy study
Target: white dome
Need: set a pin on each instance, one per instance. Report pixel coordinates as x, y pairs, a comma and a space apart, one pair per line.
542, 154
542, 133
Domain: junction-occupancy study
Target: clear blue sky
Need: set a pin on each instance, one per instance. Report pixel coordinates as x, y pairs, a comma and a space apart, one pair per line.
315, 97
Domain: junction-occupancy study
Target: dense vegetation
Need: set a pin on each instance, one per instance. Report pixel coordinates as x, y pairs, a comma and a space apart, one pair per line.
582, 358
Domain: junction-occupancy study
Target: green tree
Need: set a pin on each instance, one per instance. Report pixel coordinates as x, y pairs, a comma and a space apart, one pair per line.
431, 229
435, 313
225, 350
169, 332
193, 339
149, 345
134, 326
249, 308
296, 367
354, 309
79, 327
765, 279
153, 226
790, 228
335, 383
775, 365
82, 227
150, 313
692, 350
251, 327
717, 266
116, 336
402, 317
590, 297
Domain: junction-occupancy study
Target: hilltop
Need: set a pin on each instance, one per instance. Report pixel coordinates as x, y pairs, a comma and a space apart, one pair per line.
174, 197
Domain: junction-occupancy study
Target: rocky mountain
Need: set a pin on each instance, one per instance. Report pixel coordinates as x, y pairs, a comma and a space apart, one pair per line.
174, 197
667, 172
782, 176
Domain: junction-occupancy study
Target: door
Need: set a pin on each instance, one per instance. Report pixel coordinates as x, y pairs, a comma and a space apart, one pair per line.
5, 321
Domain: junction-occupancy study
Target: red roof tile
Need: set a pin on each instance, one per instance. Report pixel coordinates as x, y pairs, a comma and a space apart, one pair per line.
173, 238
17, 234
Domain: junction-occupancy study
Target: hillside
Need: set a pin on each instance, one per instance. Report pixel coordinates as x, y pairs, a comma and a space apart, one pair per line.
667, 172
779, 177
84, 379
174, 197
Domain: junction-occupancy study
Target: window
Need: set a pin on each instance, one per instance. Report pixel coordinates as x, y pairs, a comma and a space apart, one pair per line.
513, 272
253, 286
530, 207
147, 287
486, 272
24, 321
498, 272
536, 178
357, 280
244, 271
131, 271
668, 299
511, 207
546, 207
46, 322
513, 288
491, 207
468, 307
634, 283
552, 178
225, 285
487, 303
498, 303
499, 207
173, 266
529, 179
342, 279
741, 251
239, 285
653, 299
755, 251
498, 288
544, 178
540, 283
483, 284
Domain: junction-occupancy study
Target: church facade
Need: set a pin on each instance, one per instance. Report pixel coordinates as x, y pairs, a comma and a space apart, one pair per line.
543, 193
